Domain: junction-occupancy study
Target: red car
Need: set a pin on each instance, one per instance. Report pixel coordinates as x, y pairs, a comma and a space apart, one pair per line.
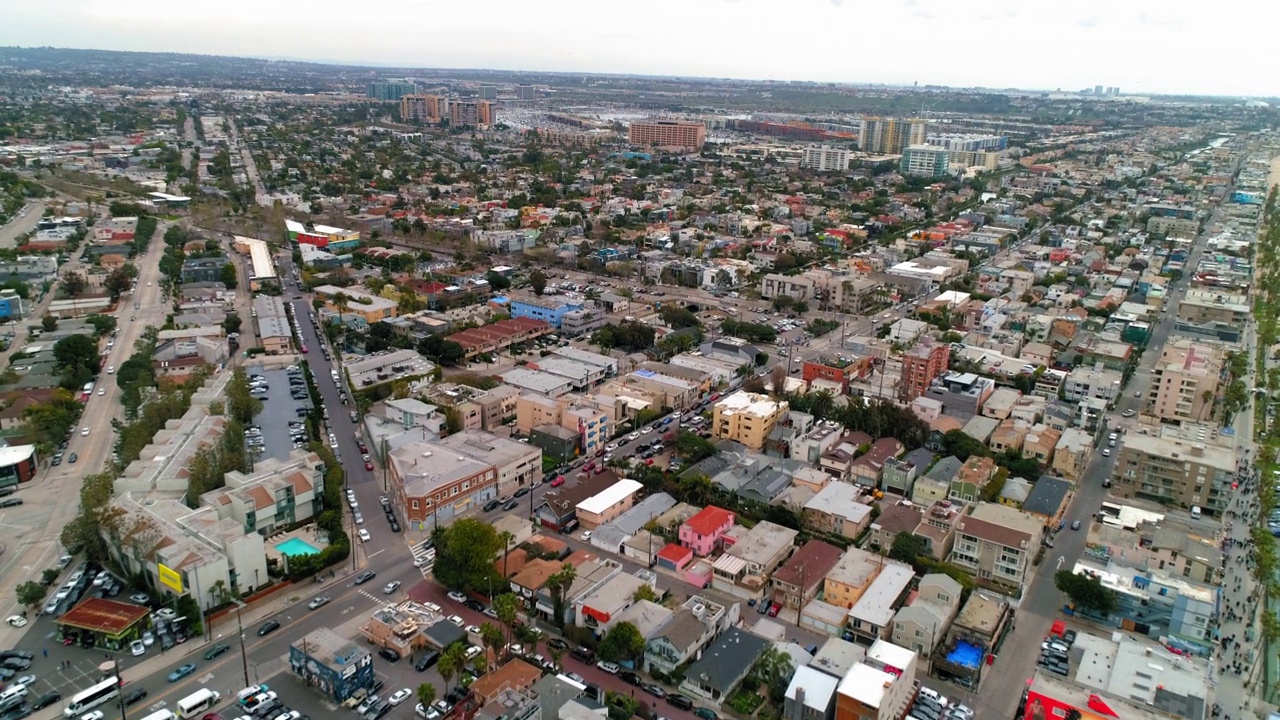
773, 611
558, 481
363, 448
368, 464
648, 461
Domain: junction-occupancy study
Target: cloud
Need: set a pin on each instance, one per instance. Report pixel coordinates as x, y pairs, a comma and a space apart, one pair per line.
1089, 22
837, 3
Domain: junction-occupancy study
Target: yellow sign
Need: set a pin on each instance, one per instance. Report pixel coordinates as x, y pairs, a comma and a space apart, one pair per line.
170, 579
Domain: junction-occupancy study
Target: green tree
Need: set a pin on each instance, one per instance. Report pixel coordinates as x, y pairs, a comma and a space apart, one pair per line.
774, 669
1086, 593
451, 661
907, 547
49, 323
241, 405
73, 283
426, 694
645, 592
102, 324
558, 583
497, 280
505, 607
30, 593
77, 360
492, 637
962, 445
622, 642
231, 323
465, 554
118, 282
506, 538
537, 282
228, 276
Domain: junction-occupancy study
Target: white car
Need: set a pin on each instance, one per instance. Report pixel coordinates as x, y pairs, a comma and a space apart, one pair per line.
585, 535
148, 639
391, 587
84, 431
473, 629
17, 621
364, 535
634, 436
111, 369
167, 613
611, 447
456, 620
137, 648
608, 667
102, 391
95, 715
400, 696
457, 597
431, 606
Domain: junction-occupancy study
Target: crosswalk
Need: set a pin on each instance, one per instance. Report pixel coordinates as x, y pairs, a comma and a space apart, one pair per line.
424, 557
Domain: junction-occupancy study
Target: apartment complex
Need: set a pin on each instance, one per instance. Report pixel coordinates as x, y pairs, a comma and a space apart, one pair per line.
1183, 466
997, 543
825, 158
921, 365
1186, 382
890, 136
668, 134
389, 90
420, 108
925, 160
747, 418
471, 113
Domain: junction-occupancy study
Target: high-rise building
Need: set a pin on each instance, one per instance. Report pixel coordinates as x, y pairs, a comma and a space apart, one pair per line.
825, 158
1188, 465
1185, 382
889, 136
470, 113
1097, 89
488, 92
420, 108
920, 366
526, 92
925, 160
969, 143
390, 90
668, 134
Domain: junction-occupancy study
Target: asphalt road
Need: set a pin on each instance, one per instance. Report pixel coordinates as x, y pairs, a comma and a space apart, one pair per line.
10, 232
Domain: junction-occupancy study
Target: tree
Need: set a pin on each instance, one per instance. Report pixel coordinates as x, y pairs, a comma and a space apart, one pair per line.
557, 583
231, 323
505, 607
77, 351
1086, 592
228, 276
537, 282
505, 537
622, 642
426, 694
102, 324
774, 669
907, 547
49, 323
645, 592
464, 556
451, 661
963, 446
73, 283
491, 636
497, 280
118, 282
30, 593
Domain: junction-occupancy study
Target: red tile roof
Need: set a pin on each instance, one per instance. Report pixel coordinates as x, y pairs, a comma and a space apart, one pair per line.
674, 553
109, 617
710, 519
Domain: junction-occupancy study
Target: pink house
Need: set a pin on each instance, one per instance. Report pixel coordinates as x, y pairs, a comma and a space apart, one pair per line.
702, 532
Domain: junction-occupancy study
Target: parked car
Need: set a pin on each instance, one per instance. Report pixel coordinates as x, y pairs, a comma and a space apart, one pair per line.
389, 655
134, 696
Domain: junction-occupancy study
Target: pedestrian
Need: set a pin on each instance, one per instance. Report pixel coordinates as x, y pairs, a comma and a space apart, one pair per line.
45, 651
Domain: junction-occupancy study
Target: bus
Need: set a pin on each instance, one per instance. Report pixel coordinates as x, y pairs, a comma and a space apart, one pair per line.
161, 715
92, 697
198, 702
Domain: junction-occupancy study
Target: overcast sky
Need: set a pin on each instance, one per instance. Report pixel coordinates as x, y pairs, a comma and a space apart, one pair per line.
1143, 46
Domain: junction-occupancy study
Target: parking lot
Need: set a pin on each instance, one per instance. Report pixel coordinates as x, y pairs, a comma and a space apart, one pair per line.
279, 408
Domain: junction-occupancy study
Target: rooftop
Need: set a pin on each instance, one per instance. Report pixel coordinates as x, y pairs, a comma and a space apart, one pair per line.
109, 617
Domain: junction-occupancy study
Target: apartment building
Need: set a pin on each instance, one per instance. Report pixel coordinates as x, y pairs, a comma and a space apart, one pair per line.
1186, 381
747, 418
1092, 381
997, 543
1189, 466
825, 158
1203, 306
389, 90
925, 161
676, 134
420, 108
925, 362
922, 624
961, 394
798, 288
518, 464
890, 136
879, 688
471, 113
436, 484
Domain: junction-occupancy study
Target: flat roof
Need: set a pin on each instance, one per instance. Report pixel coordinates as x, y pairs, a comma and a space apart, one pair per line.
14, 454
866, 684
610, 496
109, 617
876, 604
260, 257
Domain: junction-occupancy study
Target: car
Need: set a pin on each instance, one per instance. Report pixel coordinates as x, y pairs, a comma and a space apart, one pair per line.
609, 667
17, 621
457, 597
148, 638
400, 696
1129, 413
1069, 637
1075, 524
166, 613
631, 678
611, 447
25, 681
368, 465
680, 701
140, 598
84, 431
473, 629
216, 650
102, 391
94, 715
137, 648
586, 535
634, 436
389, 655
475, 605
73, 457
558, 481
1138, 394
183, 670
426, 661
365, 577
367, 704
391, 587
456, 620
364, 535
707, 714
268, 627
521, 492
50, 698
655, 690
1106, 452
576, 678
492, 505
511, 505
558, 644
317, 602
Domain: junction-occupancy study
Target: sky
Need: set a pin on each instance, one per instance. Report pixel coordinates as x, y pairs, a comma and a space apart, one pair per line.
1143, 47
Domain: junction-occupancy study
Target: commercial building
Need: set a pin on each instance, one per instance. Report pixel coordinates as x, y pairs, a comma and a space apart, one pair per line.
355, 302
262, 267
921, 365
890, 136
548, 310
436, 483
1188, 466
330, 663
1204, 306
272, 325
526, 92
747, 418
519, 465
1155, 603
825, 158
675, 134
997, 543
207, 269
108, 624
276, 495
17, 464
1185, 381
925, 160
392, 90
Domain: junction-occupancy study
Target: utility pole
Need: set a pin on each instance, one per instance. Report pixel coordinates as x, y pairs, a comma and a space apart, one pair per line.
244, 658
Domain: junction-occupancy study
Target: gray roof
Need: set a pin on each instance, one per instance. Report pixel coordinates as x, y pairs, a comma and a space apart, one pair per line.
918, 458
445, 633
727, 660
946, 469
1047, 496
612, 534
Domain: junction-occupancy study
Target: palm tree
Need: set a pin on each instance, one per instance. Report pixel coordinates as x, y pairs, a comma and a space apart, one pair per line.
506, 536
555, 653
342, 302
452, 661
821, 403
426, 694
505, 606
557, 583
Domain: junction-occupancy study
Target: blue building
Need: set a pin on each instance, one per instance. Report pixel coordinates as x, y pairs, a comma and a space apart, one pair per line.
548, 310
332, 664
10, 306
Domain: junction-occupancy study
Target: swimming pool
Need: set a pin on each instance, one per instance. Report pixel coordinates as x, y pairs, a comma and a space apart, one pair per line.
296, 546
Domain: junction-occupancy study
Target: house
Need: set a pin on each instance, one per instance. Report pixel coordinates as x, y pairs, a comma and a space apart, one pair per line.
866, 469
836, 509
922, 624
797, 581
703, 532
598, 609
899, 475
724, 664
688, 631
979, 628
750, 557
870, 618
811, 695
845, 584
893, 521
1048, 500
936, 483
516, 675
996, 543
974, 475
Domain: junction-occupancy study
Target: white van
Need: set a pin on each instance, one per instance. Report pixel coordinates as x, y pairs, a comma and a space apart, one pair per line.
1195, 511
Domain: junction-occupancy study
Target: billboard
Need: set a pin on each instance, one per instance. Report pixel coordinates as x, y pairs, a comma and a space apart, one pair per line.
170, 578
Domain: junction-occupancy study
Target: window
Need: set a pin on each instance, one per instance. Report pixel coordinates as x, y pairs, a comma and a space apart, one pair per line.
415, 504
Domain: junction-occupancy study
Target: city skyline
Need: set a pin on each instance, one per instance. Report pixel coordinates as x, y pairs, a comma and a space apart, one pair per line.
1009, 44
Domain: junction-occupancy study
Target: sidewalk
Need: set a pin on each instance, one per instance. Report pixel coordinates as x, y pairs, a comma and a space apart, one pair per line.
1238, 665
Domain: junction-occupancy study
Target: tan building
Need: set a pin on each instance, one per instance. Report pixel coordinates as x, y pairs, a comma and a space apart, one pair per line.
420, 108
845, 583
1072, 454
471, 113
997, 543
1183, 466
1185, 382
747, 418
1040, 443
1208, 306
1010, 435
668, 134
592, 425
